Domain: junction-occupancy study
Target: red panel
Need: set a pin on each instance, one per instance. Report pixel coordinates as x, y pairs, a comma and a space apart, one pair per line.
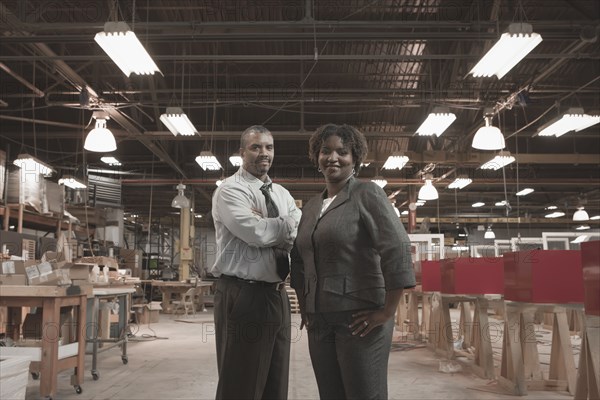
473, 275
431, 276
543, 276
590, 260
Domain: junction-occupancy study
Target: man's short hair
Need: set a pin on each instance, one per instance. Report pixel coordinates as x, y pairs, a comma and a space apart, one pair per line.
252, 129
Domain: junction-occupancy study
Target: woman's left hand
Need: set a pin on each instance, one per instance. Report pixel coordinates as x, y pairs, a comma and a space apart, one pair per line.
365, 321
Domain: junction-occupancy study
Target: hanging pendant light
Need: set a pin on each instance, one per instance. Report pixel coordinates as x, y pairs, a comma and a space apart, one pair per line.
489, 233
580, 215
488, 137
428, 191
180, 201
100, 139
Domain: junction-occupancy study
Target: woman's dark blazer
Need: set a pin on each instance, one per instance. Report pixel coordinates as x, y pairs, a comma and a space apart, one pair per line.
353, 254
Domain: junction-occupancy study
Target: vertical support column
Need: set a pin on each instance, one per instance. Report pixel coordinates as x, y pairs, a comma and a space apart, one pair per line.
412, 209
185, 250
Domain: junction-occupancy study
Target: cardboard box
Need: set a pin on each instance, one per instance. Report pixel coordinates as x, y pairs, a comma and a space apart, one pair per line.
13, 279
544, 276
590, 261
76, 271
57, 277
431, 276
7, 267
468, 275
147, 313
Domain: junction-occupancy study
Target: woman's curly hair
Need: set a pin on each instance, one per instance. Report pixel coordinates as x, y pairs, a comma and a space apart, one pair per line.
350, 136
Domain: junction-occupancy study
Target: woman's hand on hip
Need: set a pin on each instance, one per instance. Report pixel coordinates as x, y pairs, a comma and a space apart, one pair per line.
365, 321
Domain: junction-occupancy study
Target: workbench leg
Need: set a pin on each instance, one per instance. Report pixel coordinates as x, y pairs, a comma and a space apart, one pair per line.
512, 374
50, 338
77, 378
588, 374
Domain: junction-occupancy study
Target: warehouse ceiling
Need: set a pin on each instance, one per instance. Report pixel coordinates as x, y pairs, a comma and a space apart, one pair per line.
295, 65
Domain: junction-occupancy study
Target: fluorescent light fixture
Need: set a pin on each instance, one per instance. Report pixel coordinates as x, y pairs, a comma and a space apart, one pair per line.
551, 208
420, 203
582, 228
595, 218
478, 204
180, 201
489, 233
110, 161
573, 120
488, 137
501, 160
460, 183
395, 161
30, 164
365, 164
525, 192
236, 160
428, 191
100, 139
208, 161
580, 239
512, 47
405, 212
71, 182
555, 214
500, 203
123, 47
459, 247
379, 181
436, 122
580, 215
177, 122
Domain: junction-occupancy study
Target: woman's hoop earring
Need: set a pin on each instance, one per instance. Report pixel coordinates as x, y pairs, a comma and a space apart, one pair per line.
353, 171
319, 169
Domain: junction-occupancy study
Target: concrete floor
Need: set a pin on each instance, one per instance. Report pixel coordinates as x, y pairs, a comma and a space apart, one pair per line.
176, 360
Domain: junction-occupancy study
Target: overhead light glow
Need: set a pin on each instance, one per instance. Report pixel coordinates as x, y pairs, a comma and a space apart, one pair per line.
489, 233
110, 161
428, 191
573, 120
395, 161
478, 204
178, 122
208, 161
580, 215
512, 47
100, 139
582, 228
436, 122
580, 239
488, 137
460, 183
124, 48
501, 160
379, 181
71, 182
525, 192
236, 160
555, 214
31, 165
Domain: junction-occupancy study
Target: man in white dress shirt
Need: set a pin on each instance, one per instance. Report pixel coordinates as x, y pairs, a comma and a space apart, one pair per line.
255, 227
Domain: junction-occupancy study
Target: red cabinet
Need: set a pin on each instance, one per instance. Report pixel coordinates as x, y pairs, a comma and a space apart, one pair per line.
431, 276
543, 276
590, 260
473, 275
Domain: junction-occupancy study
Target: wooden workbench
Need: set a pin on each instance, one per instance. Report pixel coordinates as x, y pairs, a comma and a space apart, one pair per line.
52, 357
173, 290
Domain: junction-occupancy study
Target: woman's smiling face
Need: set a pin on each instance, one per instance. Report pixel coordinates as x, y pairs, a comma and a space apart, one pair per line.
335, 159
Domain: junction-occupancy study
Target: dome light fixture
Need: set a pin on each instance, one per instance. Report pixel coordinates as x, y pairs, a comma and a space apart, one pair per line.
428, 191
180, 201
488, 137
100, 139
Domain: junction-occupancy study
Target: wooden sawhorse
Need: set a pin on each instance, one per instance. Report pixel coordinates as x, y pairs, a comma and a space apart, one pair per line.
520, 369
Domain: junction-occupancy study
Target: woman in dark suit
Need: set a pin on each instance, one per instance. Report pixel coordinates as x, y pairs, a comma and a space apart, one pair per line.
350, 263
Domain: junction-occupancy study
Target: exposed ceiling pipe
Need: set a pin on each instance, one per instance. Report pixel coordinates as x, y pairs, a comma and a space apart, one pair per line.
40, 121
24, 81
